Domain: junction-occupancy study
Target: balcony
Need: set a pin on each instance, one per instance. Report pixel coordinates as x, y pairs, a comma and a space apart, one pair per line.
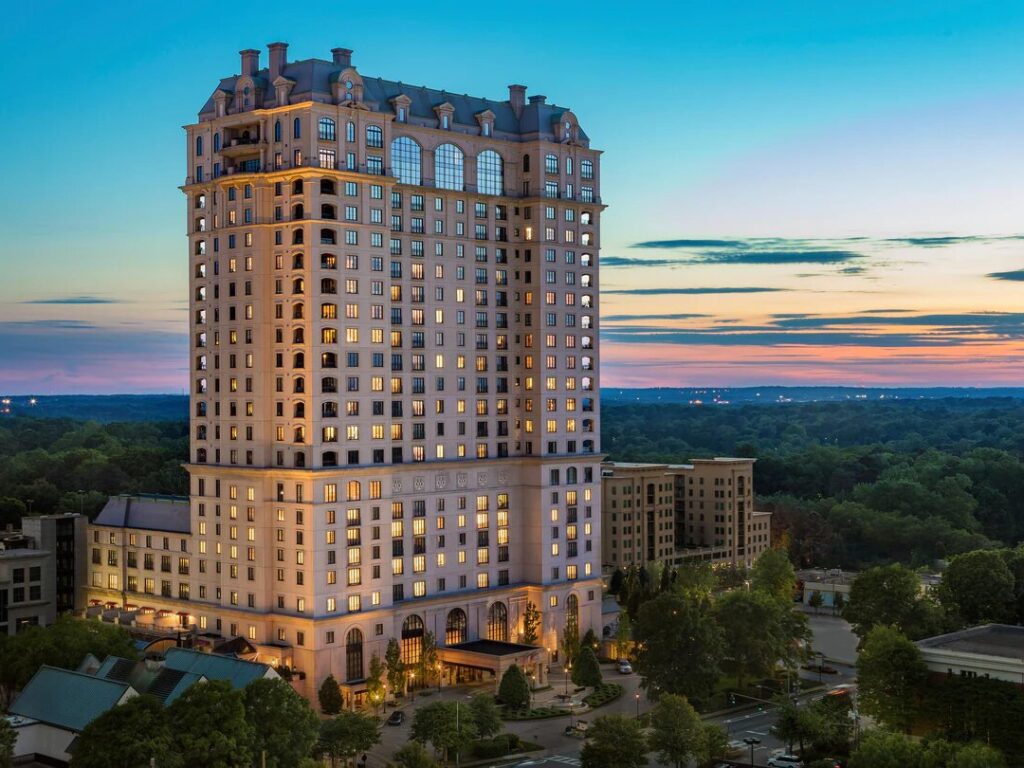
239, 147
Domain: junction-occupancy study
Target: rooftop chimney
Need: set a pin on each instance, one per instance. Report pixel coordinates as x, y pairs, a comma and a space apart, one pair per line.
342, 56
538, 99
278, 58
250, 61
517, 98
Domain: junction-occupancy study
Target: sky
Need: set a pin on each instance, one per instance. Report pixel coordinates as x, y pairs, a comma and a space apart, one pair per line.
798, 192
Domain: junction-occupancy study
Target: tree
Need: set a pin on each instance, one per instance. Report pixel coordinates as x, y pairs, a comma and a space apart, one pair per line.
890, 595
838, 602
614, 583
198, 743
440, 724
623, 634
7, 738
977, 755
795, 725
514, 691
717, 740
884, 749
413, 755
677, 732
758, 631
773, 574
571, 641
589, 640
531, 625
586, 671
347, 735
614, 741
816, 601
695, 579
890, 673
375, 682
284, 726
429, 663
395, 667
486, 715
978, 587
678, 646
125, 736
330, 696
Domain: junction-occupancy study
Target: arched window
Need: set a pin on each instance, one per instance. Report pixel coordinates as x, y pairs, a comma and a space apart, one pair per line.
329, 409
572, 611
297, 187
412, 639
327, 237
298, 312
328, 311
586, 169
299, 411
199, 145
570, 476
405, 160
497, 622
550, 164
297, 261
455, 627
328, 360
300, 434
299, 386
327, 187
374, 137
489, 173
350, 131
299, 360
326, 129
201, 456
296, 128
328, 285
328, 211
526, 163
298, 285
586, 218
216, 142
277, 130
449, 168
300, 458
328, 384
298, 211
354, 655
297, 237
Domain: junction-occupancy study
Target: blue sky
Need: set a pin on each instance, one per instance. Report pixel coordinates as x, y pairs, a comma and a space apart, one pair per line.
788, 127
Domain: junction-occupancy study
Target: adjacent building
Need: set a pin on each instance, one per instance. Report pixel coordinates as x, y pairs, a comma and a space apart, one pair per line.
994, 651
668, 513
42, 570
394, 364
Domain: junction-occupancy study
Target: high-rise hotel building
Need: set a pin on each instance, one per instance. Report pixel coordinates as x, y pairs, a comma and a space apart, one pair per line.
394, 376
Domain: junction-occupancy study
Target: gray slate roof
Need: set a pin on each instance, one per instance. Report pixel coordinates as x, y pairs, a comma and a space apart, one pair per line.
313, 79
156, 513
67, 699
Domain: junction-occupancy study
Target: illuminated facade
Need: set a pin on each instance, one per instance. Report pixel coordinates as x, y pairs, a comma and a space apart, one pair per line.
394, 366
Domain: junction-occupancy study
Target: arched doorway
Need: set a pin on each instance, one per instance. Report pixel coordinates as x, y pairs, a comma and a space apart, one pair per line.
497, 622
354, 655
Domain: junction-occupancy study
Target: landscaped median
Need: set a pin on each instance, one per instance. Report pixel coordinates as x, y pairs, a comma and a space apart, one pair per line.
601, 695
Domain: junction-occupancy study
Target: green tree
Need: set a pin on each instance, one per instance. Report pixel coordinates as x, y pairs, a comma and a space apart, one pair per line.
835, 726
890, 595
717, 740
571, 641
795, 725
773, 574
614, 741
514, 691
587, 670
531, 625
486, 715
884, 749
347, 735
284, 726
7, 738
197, 742
440, 724
429, 664
978, 587
329, 695
589, 640
623, 635
125, 736
614, 583
977, 755
677, 733
375, 682
679, 646
413, 755
890, 674
815, 601
838, 602
395, 667
758, 631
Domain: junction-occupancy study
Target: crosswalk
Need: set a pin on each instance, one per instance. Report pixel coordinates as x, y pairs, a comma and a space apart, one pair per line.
564, 760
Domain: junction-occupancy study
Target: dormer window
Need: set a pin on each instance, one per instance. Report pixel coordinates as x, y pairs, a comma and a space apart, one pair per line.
401, 114
487, 129
445, 121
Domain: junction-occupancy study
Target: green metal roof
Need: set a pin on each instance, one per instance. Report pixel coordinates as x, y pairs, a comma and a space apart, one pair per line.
66, 699
212, 666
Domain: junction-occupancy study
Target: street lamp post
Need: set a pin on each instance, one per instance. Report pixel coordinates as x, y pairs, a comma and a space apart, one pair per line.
751, 742
821, 665
636, 696
412, 685
568, 667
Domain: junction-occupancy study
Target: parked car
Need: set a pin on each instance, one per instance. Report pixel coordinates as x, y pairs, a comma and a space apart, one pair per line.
396, 718
785, 761
625, 668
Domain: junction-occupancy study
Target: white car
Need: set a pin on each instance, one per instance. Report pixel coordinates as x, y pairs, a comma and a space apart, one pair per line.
625, 668
785, 761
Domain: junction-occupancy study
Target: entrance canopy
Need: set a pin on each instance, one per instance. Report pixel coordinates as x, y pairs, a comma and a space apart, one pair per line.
493, 655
